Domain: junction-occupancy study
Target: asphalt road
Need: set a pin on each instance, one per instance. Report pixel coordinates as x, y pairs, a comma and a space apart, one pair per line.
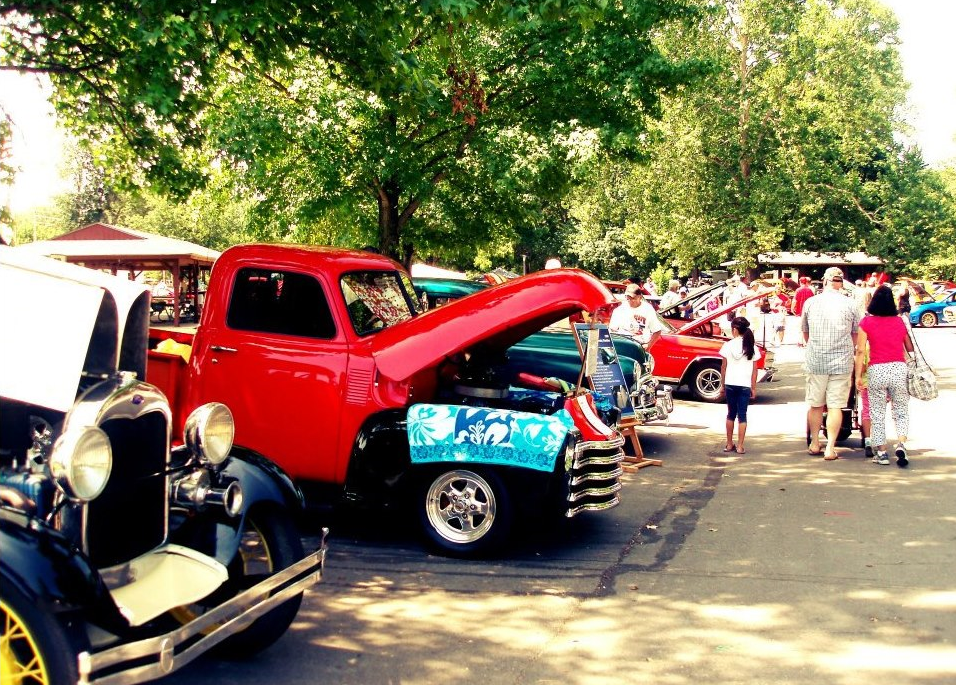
771, 567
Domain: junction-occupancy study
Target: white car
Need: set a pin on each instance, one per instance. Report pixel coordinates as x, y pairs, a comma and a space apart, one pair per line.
949, 314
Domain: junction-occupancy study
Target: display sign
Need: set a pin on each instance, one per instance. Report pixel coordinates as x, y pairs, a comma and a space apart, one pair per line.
607, 376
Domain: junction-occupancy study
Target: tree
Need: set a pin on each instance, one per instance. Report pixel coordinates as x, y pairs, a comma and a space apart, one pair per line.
359, 109
787, 144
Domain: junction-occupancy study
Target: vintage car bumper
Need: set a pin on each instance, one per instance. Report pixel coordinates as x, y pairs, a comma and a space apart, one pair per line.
157, 656
653, 401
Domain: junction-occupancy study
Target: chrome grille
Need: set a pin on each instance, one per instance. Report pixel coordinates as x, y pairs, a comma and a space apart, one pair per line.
131, 516
593, 475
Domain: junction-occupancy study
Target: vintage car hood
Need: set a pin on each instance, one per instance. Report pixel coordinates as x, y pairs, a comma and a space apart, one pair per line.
63, 320
722, 311
697, 294
494, 318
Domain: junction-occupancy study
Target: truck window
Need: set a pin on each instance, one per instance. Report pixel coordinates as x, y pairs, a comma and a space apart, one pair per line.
283, 302
375, 300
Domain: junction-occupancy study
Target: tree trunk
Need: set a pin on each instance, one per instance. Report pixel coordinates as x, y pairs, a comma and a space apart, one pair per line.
388, 220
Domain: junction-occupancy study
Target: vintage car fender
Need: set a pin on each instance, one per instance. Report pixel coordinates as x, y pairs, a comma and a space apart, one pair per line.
439, 433
45, 568
262, 482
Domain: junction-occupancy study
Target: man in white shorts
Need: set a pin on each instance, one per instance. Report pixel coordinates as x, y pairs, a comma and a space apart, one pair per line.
829, 323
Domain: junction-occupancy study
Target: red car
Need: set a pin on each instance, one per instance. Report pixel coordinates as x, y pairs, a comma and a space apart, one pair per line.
689, 354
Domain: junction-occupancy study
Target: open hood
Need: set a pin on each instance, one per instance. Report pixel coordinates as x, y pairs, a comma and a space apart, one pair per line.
61, 321
722, 311
696, 296
494, 318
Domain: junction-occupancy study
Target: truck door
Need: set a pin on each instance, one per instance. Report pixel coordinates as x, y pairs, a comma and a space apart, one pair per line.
279, 363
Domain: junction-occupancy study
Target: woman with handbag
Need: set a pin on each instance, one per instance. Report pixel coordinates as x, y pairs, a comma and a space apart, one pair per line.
884, 335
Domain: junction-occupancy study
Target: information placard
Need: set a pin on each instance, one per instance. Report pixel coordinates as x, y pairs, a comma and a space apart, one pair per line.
608, 377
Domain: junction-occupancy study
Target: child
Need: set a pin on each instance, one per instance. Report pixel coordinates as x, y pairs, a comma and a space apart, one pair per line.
738, 373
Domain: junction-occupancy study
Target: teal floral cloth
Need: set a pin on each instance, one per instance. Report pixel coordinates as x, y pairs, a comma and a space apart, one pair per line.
451, 433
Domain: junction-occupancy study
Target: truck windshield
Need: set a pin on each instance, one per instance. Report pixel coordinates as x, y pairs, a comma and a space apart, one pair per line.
377, 299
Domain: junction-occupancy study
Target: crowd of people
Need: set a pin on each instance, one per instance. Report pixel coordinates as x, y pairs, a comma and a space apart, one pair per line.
858, 342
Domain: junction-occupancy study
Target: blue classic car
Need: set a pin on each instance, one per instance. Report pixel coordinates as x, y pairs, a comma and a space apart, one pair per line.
930, 314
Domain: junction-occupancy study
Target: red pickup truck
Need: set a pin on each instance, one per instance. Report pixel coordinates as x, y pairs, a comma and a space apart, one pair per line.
334, 375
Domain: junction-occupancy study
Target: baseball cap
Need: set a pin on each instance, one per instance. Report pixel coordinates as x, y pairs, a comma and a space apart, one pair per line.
833, 274
633, 289
805, 279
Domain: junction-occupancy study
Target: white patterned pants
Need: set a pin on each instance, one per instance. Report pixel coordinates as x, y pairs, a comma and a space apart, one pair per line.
880, 380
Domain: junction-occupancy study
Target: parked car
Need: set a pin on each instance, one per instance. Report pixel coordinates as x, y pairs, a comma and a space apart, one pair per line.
124, 557
949, 314
930, 314
689, 354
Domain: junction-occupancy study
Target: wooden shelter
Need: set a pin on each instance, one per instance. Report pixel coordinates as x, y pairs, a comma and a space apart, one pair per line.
115, 248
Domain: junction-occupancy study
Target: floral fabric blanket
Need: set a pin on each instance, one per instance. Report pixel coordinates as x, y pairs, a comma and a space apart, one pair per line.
442, 433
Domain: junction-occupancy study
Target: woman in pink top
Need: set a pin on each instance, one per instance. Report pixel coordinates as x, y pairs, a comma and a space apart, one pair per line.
885, 335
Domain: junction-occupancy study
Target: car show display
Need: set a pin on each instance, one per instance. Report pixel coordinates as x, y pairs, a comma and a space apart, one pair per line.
125, 556
327, 363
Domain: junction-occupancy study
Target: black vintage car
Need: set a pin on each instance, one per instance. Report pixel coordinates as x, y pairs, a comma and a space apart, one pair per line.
124, 557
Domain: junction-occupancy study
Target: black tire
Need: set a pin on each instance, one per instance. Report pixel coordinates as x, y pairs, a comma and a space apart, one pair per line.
270, 543
465, 512
705, 384
34, 649
928, 319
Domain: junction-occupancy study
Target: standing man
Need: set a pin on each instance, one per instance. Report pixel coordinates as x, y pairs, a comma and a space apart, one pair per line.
671, 297
636, 317
829, 323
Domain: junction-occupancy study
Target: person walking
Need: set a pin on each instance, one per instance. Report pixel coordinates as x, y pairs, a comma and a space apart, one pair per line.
884, 339
829, 323
738, 375
905, 307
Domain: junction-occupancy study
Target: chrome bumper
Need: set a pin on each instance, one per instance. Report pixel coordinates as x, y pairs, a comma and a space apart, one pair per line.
155, 657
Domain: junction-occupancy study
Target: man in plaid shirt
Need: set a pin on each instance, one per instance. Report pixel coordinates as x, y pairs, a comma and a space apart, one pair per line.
829, 322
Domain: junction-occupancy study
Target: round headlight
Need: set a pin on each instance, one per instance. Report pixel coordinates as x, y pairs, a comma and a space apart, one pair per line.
81, 463
209, 433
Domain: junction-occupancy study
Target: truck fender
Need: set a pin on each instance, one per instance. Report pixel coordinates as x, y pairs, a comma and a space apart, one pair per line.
263, 483
478, 435
46, 569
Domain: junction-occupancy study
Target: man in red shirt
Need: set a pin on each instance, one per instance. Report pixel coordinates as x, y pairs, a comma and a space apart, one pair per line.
802, 294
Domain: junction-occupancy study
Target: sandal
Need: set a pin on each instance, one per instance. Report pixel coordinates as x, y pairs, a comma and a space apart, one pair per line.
741, 450
830, 457
732, 448
815, 453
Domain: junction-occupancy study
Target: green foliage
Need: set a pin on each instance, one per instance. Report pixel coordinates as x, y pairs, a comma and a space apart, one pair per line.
7, 170
661, 275
788, 144
365, 112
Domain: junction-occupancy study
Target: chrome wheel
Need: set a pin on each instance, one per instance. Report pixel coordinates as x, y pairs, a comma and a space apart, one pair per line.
927, 319
461, 506
706, 384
